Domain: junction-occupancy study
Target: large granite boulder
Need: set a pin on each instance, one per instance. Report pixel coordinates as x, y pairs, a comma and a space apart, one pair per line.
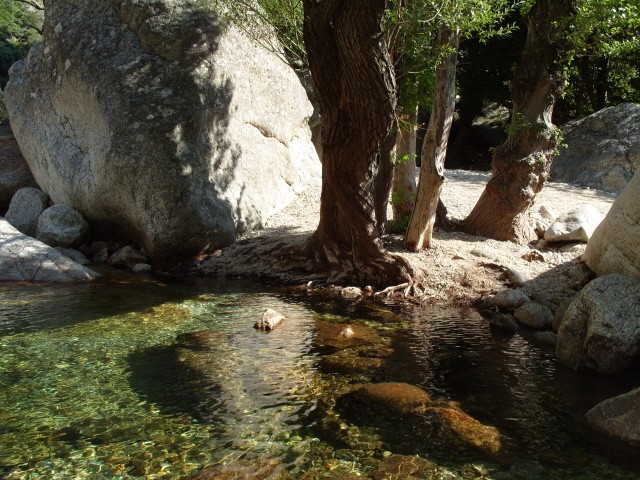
618, 418
25, 209
601, 327
24, 259
603, 149
14, 171
153, 119
615, 244
576, 225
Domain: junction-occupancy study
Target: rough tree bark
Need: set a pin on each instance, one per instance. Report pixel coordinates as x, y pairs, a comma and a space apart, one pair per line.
521, 165
354, 80
434, 149
404, 175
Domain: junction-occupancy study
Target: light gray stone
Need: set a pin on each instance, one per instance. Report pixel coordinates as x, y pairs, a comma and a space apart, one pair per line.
14, 171
24, 259
25, 208
153, 118
351, 292
574, 226
618, 418
601, 327
615, 245
62, 226
141, 268
509, 299
270, 319
534, 315
603, 149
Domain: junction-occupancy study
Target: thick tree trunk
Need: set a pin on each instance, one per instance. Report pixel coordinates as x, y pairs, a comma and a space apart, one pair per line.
434, 150
354, 79
404, 177
521, 165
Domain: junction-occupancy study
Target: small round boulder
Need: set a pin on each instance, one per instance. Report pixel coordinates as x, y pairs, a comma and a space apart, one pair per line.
62, 226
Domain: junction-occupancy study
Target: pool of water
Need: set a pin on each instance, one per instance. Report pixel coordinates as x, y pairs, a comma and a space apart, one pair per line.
100, 381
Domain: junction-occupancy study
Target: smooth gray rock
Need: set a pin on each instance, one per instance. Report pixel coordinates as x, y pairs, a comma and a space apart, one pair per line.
603, 149
14, 171
575, 226
618, 418
510, 298
74, 255
534, 315
150, 118
62, 226
615, 244
141, 268
25, 209
601, 327
24, 259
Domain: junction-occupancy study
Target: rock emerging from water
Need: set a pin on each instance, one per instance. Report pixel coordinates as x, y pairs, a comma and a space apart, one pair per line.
270, 319
601, 327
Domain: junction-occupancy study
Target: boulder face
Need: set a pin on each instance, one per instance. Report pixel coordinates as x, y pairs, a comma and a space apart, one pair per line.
615, 244
603, 149
24, 259
152, 119
14, 171
601, 327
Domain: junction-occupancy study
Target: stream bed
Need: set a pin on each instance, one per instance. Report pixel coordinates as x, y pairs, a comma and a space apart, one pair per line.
108, 381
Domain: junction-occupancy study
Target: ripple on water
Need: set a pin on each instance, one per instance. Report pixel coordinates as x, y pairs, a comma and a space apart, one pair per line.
94, 384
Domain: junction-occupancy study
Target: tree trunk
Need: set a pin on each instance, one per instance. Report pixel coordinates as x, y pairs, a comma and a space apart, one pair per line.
350, 65
404, 177
521, 165
434, 149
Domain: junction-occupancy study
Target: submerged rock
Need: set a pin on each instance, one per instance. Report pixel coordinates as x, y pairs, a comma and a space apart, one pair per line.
618, 418
395, 397
339, 336
402, 466
251, 469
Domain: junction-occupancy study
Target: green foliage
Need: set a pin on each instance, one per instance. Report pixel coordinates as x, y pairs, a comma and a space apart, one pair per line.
18, 31
605, 68
274, 24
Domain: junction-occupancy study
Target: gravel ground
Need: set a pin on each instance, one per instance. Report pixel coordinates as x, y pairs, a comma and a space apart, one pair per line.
460, 268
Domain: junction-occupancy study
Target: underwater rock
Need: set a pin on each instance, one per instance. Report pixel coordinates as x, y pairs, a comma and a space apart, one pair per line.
340, 336
270, 320
461, 429
350, 362
253, 469
396, 397
402, 466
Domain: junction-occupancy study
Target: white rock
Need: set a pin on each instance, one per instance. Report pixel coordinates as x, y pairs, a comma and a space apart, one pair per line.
574, 226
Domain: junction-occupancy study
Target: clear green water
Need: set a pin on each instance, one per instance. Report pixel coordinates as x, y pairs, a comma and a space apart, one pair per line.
93, 385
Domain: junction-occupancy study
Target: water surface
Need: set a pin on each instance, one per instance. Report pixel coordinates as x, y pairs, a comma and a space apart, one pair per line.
94, 384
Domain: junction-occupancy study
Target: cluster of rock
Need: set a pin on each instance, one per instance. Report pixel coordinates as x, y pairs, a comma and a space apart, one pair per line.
148, 120
51, 243
602, 150
599, 328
